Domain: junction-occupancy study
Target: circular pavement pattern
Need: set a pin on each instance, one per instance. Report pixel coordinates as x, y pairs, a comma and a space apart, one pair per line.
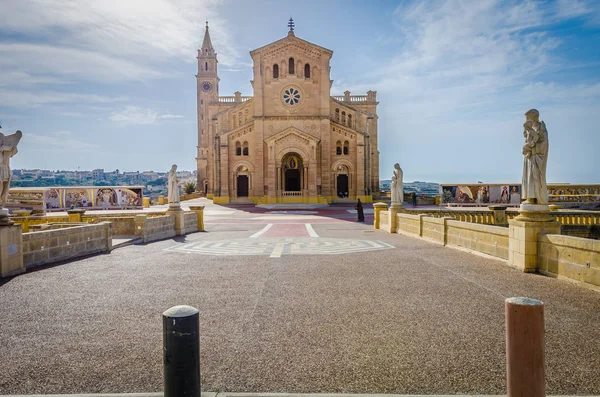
276, 247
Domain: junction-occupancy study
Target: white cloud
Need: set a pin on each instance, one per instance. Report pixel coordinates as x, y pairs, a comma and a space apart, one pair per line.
58, 141
104, 41
19, 98
140, 116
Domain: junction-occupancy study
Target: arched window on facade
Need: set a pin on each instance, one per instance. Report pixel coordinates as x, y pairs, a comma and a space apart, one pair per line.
291, 66
337, 115
240, 117
343, 117
307, 71
346, 147
205, 65
246, 115
245, 147
349, 120
276, 71
238, 149
338, 147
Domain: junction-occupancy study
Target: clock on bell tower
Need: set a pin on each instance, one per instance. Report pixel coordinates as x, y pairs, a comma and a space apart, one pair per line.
208, 91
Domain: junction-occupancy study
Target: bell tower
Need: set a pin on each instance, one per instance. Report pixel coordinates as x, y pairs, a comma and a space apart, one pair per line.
207, 82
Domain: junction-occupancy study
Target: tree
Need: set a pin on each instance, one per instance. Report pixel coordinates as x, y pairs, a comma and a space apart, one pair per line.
189, 187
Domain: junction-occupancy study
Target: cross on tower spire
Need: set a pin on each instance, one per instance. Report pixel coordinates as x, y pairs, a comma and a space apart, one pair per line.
291, 26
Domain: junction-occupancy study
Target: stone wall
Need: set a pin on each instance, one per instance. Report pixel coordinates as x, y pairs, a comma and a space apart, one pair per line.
409, 223
433, 228
487, 239
40, 248
155, 228
574, 258
121, 226
191, 222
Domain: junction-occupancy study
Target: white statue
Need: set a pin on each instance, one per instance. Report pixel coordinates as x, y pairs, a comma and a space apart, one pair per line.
535, 151
8, 148
172, 186
397, 192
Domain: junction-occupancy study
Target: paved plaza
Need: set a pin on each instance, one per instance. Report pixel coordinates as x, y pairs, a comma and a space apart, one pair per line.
291, 300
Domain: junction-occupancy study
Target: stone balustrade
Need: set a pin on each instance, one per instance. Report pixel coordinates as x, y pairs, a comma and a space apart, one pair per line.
531, 246
233, 99
291, 194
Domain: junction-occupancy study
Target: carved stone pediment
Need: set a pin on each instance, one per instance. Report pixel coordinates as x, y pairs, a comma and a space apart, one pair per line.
291, 44
291, 134
292, 139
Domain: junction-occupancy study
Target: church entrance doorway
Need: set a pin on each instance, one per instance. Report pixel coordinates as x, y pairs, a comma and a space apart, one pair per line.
292, 180
342, 186
242, 186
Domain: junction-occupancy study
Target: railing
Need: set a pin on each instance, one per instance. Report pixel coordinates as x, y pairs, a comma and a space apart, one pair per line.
291, 194
352, 98
585, 218
232, 99
486, 217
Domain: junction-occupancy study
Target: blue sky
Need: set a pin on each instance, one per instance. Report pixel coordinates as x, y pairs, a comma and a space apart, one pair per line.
110, 83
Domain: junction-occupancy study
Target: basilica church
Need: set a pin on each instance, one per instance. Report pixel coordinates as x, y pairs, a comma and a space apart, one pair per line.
292, 141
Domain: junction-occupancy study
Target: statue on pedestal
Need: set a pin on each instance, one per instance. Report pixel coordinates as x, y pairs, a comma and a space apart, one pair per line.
172, 186
397, 190
535, 151
8, 148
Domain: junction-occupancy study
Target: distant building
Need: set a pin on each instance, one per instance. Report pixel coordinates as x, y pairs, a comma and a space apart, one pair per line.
98, 174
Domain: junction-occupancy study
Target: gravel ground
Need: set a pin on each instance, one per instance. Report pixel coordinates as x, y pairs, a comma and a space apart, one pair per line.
417, 319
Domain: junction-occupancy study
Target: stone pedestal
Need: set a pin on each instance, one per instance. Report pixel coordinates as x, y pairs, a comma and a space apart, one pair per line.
175, 209
378, 207
533, 219
75, 215
11, 247
499, 214
393, 219
199, 210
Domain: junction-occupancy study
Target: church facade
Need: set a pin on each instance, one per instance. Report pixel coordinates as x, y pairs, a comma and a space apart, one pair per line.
291, 142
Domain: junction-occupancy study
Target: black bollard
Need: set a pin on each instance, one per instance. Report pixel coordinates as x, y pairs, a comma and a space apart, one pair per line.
181, 352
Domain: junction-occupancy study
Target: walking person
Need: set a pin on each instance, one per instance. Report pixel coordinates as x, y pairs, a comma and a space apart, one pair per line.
414, 198
359, 210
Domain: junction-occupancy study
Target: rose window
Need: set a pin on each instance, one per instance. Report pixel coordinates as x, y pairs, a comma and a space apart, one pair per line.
291, 96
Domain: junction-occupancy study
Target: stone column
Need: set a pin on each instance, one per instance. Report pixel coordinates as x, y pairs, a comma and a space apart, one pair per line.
199, 210
393, 219
499, 214
146, 202
175, 210
376, 216
523, 234
11, 247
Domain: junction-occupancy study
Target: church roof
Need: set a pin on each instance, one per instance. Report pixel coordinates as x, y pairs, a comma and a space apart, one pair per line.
290, 38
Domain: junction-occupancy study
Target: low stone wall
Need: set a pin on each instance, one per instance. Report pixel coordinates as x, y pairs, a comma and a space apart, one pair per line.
433, 228
154, 228
121, 226
409, 223
487, 239
574, 258
190, 222
48, 246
